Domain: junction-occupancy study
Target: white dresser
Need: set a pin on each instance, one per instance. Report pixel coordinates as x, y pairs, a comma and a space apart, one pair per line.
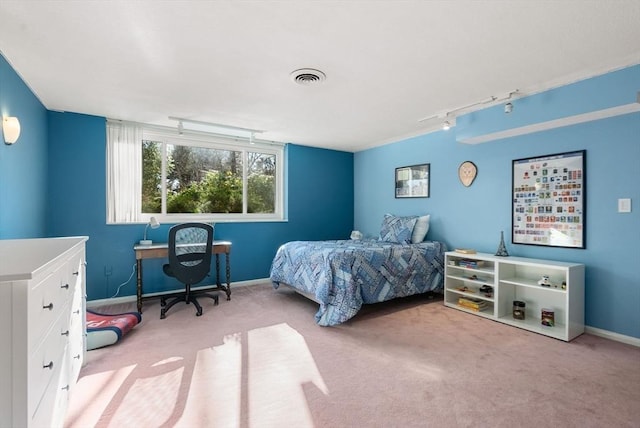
42, 328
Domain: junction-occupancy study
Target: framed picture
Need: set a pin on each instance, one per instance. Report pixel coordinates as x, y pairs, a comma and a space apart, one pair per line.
412, 181
549, 200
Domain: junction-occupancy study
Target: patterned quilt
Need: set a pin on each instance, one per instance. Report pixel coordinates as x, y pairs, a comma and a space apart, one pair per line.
342, 275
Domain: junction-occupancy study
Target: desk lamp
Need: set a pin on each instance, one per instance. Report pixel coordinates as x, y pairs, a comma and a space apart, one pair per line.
154, 225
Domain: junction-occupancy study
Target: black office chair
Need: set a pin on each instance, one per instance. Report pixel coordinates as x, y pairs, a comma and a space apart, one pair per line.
189, 262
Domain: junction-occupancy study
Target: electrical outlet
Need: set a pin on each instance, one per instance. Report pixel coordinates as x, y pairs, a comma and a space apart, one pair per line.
624, 205
108, 270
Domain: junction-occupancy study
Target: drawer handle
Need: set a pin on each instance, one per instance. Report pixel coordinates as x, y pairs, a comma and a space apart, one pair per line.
65, 388
76, 273
77, 357
76, 312
49, 306
48, 366
65, 333
65, 286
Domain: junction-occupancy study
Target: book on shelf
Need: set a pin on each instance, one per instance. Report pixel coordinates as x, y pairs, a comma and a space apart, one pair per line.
471, 308
469, 263
465, 250
473, 304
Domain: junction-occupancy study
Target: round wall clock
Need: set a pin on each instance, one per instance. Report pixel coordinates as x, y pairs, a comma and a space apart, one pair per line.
467, 172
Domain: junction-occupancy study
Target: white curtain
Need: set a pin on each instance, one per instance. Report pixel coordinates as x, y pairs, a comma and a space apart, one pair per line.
124, 172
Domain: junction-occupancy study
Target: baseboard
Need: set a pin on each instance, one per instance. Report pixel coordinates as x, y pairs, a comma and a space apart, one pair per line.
613, 336
127, 299
634, 341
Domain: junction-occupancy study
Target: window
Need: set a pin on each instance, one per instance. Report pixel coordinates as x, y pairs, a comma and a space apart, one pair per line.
195, 177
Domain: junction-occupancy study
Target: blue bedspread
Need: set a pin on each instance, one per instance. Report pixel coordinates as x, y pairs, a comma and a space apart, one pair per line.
342, 275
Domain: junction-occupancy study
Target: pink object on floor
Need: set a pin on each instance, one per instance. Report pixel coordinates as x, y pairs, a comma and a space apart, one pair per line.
104, 329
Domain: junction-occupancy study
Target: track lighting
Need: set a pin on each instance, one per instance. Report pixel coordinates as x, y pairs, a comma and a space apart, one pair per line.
508, 108
454, 113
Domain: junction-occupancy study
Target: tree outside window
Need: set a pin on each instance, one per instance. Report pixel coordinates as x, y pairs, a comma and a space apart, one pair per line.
207, 180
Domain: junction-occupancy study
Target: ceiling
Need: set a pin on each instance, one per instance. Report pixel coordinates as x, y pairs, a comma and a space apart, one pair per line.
388, 64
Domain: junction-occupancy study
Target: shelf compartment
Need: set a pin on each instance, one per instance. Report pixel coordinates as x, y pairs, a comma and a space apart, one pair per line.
536, 298
485, 270
526, 282
534, 324
474, 295
486, 313
468, 302
478, 280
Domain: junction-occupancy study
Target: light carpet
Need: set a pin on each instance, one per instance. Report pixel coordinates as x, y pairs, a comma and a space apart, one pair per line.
259, 360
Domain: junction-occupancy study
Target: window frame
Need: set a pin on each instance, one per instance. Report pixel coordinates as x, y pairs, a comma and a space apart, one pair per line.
166, 136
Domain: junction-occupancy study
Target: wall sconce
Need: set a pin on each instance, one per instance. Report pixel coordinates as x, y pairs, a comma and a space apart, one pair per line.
10, 129
154, 225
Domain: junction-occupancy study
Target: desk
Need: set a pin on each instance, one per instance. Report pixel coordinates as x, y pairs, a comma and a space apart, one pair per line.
157, 251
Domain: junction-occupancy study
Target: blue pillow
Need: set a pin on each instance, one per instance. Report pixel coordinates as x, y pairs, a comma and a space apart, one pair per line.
397, 229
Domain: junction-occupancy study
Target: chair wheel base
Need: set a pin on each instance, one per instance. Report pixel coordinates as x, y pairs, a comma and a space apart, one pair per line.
188, 299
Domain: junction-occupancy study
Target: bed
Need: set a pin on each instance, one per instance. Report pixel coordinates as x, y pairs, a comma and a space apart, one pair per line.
342, 275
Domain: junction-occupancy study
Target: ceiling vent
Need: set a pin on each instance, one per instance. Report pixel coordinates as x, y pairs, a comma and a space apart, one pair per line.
308, 76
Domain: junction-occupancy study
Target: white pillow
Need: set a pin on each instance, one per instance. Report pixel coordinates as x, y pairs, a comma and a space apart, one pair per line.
420, 229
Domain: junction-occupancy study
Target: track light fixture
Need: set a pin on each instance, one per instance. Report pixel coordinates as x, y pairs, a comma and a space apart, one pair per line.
454, 113
508, 108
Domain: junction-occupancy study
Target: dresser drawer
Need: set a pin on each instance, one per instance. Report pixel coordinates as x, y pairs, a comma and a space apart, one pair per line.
45, 307
76, 334
47, 359
71, 274
53, 293
76, 358
51, 409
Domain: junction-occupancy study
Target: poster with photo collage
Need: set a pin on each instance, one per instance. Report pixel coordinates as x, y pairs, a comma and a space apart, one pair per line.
549, 200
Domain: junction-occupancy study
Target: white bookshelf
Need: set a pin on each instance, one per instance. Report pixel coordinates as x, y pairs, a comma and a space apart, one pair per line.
516, 278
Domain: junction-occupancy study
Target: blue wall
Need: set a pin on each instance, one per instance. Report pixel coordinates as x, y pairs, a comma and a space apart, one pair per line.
23, 165
474, 216
77, 206
52, 183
